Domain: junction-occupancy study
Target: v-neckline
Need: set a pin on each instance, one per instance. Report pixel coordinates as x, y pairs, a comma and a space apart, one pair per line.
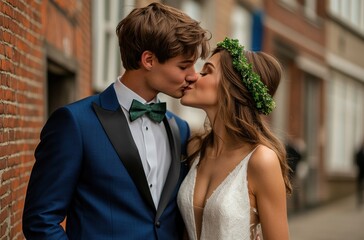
218, 186
214, 192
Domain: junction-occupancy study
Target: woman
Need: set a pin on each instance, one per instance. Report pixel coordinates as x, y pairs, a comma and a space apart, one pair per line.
237, 184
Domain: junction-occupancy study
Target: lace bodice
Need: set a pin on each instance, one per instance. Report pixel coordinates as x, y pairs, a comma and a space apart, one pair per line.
227, 213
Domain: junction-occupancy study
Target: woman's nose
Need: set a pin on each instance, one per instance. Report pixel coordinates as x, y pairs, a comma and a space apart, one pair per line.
192, 77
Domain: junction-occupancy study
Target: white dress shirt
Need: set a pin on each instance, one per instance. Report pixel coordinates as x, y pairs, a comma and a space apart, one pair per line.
151, 140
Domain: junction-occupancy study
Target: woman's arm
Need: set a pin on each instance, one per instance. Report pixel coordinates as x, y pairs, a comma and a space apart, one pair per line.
266, 182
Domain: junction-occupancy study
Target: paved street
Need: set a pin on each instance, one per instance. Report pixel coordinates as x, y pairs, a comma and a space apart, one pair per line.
340, 220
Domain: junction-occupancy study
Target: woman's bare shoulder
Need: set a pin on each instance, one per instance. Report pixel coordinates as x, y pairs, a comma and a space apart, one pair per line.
264, 167
263, 158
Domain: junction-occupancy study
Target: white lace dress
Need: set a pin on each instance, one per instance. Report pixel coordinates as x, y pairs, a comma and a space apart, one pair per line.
227, 213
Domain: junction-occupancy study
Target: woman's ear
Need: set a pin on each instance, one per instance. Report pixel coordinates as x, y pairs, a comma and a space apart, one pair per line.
147, 59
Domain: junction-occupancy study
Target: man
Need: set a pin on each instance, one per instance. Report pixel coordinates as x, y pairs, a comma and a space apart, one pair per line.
113, 172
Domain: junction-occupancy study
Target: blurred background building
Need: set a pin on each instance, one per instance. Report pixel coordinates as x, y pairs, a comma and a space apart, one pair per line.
53, 52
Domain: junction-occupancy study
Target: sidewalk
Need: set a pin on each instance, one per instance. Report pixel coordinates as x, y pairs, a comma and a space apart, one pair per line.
340, 220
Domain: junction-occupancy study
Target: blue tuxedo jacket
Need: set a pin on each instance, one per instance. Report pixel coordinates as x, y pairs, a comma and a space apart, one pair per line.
88, 169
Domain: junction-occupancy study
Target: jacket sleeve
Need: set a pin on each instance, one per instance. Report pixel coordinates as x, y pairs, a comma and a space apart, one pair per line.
54, 177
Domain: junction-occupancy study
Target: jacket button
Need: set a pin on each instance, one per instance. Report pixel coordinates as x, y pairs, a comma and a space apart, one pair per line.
158, 224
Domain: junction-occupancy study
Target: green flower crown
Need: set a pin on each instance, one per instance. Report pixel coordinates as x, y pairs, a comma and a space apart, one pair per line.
263, 100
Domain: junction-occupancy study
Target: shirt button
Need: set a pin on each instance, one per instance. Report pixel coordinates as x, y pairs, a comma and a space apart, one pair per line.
150, 185
158, 224
146, 128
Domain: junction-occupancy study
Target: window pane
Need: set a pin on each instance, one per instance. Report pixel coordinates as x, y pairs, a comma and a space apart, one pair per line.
355, 12
241, 26
335, 6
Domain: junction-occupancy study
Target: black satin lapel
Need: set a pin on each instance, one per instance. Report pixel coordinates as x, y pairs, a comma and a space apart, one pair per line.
117, 129
174, 170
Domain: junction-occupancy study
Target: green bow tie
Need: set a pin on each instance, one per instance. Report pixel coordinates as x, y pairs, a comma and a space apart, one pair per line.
154, 111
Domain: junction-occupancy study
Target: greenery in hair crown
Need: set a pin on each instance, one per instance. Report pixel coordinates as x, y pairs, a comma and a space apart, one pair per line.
263, 100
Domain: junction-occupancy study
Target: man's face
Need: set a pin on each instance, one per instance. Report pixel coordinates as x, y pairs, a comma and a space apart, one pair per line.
171, 76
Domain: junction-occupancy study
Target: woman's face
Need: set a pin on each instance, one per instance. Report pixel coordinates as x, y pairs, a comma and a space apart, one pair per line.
202, 93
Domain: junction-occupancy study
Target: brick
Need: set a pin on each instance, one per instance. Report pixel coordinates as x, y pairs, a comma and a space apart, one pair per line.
3, 214
4, 189
5, 200
2, 111
4, 228
8, 10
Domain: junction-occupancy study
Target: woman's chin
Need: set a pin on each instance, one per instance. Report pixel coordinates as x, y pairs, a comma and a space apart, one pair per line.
184, 101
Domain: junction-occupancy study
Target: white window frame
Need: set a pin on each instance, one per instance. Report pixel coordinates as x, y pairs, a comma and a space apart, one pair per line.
279, 114
350, 12
291, 4
310, 9
345, 118
241, 25
106, 57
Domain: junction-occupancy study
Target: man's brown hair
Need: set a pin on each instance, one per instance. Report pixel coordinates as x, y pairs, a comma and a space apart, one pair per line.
163, 30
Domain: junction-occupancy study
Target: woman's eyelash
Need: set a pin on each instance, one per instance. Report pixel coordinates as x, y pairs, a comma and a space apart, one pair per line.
203, 73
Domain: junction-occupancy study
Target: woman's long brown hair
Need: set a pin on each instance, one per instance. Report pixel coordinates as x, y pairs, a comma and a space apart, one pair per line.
237, 110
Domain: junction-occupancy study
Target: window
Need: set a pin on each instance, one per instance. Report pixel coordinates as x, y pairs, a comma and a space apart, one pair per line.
241, 26
311, 118
60, 86
290, 3
310, 9
279, 123
350, 12
192, 8
355, 10
345, 115
106, 56
195, 10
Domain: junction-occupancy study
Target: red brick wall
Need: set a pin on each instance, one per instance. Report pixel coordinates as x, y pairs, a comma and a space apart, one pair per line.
25, 28
21, 100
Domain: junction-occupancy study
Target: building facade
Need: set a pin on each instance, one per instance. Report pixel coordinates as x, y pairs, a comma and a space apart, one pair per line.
344, 92
295, 33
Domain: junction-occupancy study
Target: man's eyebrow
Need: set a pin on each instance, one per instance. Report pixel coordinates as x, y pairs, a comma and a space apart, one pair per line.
187, 61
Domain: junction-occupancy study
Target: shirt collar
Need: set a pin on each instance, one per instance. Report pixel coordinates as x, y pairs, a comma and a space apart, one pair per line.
125, 95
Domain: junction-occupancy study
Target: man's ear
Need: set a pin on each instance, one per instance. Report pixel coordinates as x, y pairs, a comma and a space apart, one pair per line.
147, 60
